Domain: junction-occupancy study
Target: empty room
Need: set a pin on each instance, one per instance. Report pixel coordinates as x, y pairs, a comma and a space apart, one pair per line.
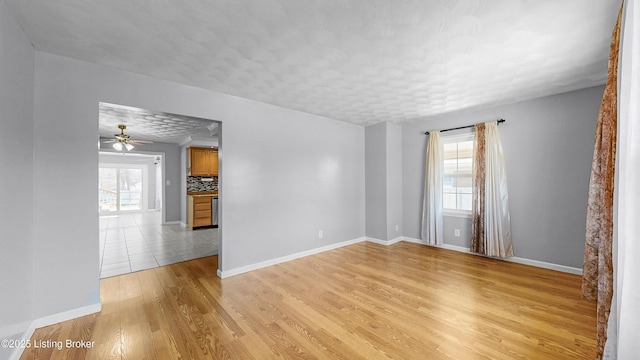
341, 179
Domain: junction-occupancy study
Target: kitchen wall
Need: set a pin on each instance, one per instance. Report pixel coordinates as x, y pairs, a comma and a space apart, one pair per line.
16, 181
285, 174
184, 155
548, 146
195, 183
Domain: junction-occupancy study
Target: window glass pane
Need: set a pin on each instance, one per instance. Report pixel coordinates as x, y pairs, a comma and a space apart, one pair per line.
464, 201
450, 166
447, 182
449, 201
130, 189
465, 149
107, 189
463, 184
464, 166
457, 175
450, 151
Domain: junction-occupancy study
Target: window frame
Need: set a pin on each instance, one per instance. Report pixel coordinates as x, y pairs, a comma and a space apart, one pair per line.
448, 139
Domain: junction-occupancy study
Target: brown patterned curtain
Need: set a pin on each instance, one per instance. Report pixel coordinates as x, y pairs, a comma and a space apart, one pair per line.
597, 276
477, 192
490, 219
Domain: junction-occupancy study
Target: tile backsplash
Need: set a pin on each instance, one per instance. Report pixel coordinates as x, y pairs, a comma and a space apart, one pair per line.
195, 183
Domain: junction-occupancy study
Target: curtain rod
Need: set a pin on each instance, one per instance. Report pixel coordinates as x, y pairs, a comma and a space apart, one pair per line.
463, 127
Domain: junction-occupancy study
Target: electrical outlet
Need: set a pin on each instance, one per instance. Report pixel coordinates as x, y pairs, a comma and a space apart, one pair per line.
320, 234
456, 232
397, 228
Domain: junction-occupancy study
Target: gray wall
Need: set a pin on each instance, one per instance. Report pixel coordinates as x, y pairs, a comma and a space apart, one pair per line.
383, 181
376, 181
285, 175
16, 179
172, 164
548, 145
394, 181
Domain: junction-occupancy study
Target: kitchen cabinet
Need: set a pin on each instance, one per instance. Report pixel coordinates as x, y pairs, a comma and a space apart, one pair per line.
203, 161
199, 211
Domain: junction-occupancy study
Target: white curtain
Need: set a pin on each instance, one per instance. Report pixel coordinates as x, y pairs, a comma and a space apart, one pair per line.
432, 205
491, 223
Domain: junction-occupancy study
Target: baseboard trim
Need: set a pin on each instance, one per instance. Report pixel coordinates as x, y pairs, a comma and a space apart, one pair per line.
243, 269
514, 259
54, 319
384, 242
175, 222
67, 315
26, 336
21, 332
15, 329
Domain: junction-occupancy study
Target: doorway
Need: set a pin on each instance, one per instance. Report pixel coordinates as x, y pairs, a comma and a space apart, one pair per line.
132, 236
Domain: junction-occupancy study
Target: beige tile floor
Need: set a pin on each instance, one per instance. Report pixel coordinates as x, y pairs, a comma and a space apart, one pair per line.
139, 241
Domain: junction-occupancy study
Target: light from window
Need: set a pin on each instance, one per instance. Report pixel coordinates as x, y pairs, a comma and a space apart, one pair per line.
457, 175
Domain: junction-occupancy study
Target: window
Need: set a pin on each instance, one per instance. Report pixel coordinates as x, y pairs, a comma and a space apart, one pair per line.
458, 152
121, 187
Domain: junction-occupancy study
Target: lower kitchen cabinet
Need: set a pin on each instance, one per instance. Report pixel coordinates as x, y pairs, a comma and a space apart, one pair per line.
199, 211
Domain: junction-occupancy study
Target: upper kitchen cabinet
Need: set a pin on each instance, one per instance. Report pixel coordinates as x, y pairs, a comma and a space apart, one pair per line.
203, 161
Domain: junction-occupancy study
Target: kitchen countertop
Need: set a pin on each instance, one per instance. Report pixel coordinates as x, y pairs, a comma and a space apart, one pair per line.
202, 193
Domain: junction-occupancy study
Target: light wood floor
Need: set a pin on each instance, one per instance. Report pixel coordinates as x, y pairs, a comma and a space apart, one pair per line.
364, 301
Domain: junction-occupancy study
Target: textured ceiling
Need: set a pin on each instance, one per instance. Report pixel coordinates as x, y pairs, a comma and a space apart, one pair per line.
154, 126
361, 61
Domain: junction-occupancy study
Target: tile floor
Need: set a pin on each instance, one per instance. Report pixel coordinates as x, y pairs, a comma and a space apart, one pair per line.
139, 241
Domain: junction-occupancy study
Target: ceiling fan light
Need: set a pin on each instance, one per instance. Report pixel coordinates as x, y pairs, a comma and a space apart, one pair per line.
129, 147
117, 146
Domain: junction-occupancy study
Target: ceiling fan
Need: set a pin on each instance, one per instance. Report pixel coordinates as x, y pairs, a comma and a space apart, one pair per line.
124, 141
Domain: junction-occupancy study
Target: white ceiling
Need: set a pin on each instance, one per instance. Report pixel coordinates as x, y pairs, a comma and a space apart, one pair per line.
361, 61
153, 125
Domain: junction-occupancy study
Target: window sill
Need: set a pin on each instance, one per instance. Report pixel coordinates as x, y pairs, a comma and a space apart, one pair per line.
457, 213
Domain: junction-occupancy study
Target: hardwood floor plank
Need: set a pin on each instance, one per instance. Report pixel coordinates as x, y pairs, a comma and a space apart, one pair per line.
363, 301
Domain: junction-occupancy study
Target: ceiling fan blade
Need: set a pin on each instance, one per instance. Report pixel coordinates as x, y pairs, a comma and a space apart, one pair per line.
108, 141
141, 142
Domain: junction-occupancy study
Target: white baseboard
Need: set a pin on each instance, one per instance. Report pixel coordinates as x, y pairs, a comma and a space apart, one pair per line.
414, 240
545, 265
66, 315
8, 331
263, 264
176, 222
17, 352
384, 242
514, 259
53, 319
